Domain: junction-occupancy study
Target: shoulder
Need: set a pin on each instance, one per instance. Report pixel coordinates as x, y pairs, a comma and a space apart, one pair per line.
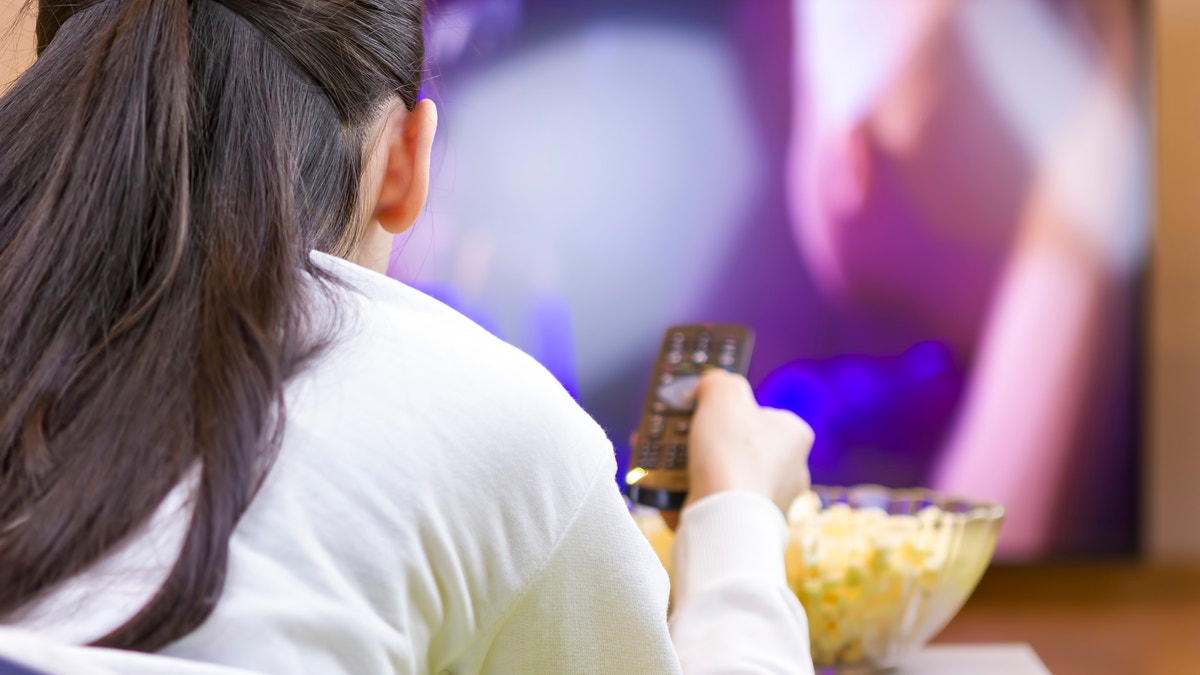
405, 363
443, 417
425, 465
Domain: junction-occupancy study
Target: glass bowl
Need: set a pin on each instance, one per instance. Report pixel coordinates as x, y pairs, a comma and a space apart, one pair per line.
879, 571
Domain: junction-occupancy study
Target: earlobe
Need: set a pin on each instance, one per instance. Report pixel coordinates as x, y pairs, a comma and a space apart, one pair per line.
409, 138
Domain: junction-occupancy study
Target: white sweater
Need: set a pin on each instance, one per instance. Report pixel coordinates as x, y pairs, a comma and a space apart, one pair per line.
440, 504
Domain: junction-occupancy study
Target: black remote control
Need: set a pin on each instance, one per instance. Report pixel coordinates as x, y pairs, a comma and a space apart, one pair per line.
658, 474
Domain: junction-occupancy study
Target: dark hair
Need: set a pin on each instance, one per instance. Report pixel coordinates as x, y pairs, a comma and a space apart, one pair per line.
166, 167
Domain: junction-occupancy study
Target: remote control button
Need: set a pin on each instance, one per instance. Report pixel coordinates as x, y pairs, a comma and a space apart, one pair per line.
674, 357
659, 406
677, 395
649, 455
703, 344
681, 427
728, 353
667, 378
677, 456
657, 425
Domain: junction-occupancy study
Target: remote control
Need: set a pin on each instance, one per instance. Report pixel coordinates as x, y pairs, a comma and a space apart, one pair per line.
658, 474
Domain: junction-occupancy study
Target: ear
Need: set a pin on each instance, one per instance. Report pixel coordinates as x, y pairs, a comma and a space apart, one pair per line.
409, 143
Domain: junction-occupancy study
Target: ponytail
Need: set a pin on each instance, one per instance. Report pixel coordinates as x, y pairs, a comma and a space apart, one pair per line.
165, 169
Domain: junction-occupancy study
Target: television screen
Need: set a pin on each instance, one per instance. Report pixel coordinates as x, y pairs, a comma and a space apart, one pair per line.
933, 215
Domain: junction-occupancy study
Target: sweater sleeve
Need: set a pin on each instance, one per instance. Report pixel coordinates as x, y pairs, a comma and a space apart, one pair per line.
597, 605
733, 610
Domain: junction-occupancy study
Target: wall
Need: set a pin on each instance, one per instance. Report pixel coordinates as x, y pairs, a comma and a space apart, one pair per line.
16, 41
1171, 467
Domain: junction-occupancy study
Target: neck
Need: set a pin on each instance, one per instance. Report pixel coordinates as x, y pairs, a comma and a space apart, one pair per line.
375, 250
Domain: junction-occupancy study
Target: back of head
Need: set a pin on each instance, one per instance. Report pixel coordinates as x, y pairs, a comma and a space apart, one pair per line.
165, 169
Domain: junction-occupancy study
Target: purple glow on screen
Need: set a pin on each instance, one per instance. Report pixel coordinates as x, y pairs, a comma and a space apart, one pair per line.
876, 419
859, 182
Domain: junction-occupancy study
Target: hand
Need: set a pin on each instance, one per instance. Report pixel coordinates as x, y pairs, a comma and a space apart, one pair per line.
737, 445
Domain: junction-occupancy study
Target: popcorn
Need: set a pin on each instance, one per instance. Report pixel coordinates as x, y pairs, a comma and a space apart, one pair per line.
661, 537
854, 571
856, 582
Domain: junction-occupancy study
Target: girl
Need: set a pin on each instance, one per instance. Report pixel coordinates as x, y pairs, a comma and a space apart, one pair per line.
228, 445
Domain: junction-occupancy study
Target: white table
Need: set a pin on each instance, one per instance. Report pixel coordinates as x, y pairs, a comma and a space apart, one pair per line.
993, 659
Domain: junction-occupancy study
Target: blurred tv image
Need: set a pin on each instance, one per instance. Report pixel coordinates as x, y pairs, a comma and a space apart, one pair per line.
933, 214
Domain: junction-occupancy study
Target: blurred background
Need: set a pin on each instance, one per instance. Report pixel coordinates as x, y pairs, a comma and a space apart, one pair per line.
964, 230
934, 214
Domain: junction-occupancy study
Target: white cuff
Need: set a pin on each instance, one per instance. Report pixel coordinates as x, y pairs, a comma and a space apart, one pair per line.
728, 535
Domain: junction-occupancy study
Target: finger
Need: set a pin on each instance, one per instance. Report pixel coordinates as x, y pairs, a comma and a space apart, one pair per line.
789, 420
723, 385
